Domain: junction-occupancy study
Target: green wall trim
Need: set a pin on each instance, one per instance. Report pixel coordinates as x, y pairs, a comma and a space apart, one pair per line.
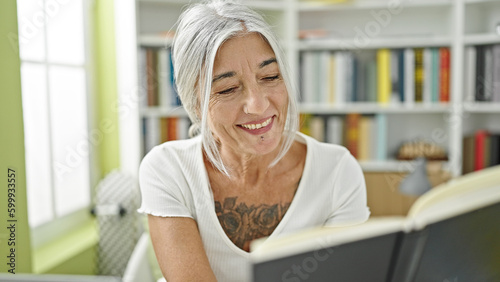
106, 93
14, 241
74, 253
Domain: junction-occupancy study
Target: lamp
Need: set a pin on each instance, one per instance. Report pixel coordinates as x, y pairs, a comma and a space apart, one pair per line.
416, 183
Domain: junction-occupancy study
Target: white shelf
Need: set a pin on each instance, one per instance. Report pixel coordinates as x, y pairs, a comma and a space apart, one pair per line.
479, 1
259, 4
313, 6
390, 166
485, 108
422, 23
373, 43
375, 108
362, 108
483, 38
266, 5
155, 40
166, 2
163, 112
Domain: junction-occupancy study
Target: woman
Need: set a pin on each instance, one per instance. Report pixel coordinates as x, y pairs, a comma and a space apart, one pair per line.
248, 173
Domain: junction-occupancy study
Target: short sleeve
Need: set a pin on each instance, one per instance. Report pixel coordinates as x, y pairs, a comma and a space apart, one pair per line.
349, 195
163, 193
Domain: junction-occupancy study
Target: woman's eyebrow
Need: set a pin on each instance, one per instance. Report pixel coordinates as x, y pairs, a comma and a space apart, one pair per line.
223, 75
267, 62
232, 73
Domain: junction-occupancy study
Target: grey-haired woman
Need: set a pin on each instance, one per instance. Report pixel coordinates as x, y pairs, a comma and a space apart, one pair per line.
246, 173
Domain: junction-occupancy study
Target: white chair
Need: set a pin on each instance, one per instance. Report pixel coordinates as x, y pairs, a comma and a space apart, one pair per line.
138, 267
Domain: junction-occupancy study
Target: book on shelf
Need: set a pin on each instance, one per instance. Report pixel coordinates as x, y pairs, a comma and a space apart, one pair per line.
340, 77
365, 136
409, 78
151, 77
427, 76
400, 82
371, 81
470, 74
164, 83
350, 77
436, 77
157, 130
334, 130
318, 128
468, 154
307, 77
488, 73
480, 150
482, 73
384, 76
451, 231
151, 133
419, 74
494, 149
156, 77
324, 64
331, 80
352, 133
381, 137
479, 86
444, 77
496, 73
305, 124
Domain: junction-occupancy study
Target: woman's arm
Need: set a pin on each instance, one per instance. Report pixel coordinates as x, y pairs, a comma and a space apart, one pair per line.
179, 249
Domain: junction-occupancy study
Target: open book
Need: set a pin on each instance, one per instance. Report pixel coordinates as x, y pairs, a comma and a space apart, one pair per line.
452, 233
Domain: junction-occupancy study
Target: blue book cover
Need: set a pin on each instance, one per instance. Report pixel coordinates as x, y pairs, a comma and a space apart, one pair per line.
371, 78
176, 100
435, 75
355, 95
401, 74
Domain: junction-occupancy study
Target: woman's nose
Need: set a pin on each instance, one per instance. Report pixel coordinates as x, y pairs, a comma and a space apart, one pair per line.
256, 101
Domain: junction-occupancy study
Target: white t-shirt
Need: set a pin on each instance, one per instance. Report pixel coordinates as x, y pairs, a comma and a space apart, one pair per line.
174, 183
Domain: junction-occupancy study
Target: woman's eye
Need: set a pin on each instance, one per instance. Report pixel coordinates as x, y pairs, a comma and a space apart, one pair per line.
271, 78
227, 91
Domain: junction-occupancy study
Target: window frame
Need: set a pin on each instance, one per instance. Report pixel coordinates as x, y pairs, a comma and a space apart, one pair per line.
61, 225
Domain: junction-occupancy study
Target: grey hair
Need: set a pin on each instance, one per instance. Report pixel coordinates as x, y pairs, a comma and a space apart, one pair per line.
201, 30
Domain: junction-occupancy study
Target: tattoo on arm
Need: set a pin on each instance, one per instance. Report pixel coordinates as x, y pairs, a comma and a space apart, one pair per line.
244, 223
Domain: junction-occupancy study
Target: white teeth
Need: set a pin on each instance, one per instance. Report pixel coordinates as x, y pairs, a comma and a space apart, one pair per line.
257, 126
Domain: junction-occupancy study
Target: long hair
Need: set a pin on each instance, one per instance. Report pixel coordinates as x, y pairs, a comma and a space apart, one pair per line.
201, 30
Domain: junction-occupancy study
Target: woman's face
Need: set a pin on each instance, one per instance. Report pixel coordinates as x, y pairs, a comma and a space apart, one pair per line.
248, 102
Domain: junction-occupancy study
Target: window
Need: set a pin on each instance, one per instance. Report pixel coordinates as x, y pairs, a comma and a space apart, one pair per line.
54, 73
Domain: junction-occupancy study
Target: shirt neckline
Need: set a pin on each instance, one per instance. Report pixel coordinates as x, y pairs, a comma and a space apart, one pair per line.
213, 216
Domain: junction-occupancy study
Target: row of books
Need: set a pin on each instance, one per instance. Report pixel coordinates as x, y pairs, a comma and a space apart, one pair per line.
157, 130
480, 150
410, 75
156, 78
482, 73
364, 136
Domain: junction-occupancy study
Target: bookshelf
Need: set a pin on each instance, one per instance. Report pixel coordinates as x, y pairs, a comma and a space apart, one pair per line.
359, 27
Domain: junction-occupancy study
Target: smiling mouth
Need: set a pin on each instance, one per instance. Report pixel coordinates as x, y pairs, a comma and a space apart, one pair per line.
257, 125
